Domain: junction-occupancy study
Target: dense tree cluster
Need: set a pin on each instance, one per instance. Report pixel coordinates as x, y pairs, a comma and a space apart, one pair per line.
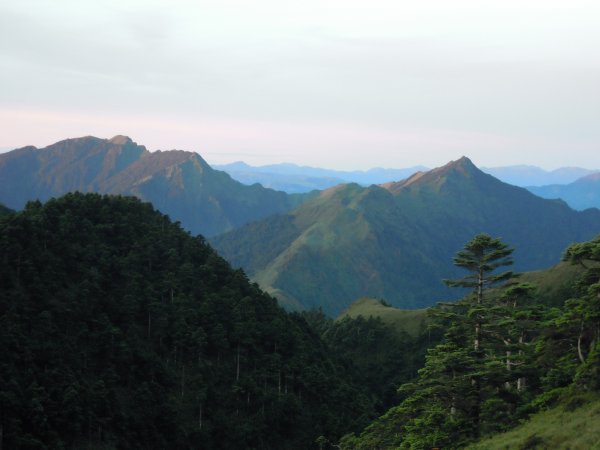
4, 211
503, 356
120, 330
377, 356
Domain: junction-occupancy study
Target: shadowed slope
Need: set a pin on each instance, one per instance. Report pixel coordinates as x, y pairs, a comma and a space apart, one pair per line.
396, 241
179, 183
120, 330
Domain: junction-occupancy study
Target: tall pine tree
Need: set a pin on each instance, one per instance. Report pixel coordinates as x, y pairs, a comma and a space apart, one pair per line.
444, 406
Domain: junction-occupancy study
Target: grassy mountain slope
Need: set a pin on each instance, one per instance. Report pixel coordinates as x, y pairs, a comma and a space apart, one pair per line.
555, 284
178, 183
581, 194
459, 199
396, 241
570, 426
556, 402
410, 321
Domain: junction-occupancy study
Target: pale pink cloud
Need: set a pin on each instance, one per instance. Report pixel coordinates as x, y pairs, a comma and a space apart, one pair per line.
335, 144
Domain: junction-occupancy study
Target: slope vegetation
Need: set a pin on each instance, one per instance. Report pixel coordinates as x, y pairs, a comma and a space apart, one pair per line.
511, 366
396, 241
410, 321
120, 330
4, 211
570, 426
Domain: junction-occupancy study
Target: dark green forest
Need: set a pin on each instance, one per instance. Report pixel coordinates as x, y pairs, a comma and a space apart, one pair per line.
377, 356
4, 211
120, 330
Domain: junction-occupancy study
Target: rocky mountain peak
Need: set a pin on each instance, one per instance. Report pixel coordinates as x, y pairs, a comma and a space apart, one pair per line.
120, 140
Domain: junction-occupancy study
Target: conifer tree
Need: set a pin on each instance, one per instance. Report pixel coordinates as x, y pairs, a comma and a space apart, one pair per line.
582, 314
444, 406
481, 257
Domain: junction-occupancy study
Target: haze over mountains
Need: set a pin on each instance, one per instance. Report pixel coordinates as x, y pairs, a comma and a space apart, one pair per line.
580, 194
293, 178
395, 241
167, 346
178, 183
522, 175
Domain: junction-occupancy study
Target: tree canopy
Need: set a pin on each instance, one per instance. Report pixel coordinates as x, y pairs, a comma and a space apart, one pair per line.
504, 355
120, 330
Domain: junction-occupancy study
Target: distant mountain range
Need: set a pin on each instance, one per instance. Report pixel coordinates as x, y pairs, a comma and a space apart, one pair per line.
579, 187
179, 183
396, 241
581, 194
525, 176
392, 240
295, 179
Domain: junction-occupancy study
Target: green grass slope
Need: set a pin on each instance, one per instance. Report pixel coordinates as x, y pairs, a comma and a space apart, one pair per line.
574, 423
555, 284
411, 321
562, 427
397, 241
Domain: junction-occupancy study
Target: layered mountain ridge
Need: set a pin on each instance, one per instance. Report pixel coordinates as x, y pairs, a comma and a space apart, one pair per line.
581, 194
179, 183
293, 178
395, 241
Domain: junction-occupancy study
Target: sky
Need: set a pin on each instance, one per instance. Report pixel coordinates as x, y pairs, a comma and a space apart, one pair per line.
328, 83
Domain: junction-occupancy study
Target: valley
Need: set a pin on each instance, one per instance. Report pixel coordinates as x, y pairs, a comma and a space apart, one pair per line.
393, 241
319, 320
302, 225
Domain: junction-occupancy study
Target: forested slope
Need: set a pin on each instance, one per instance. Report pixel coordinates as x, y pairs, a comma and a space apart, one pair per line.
4, 211
508, 351
120, 330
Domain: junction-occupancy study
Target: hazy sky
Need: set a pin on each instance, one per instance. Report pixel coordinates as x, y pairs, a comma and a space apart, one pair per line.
340, 84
